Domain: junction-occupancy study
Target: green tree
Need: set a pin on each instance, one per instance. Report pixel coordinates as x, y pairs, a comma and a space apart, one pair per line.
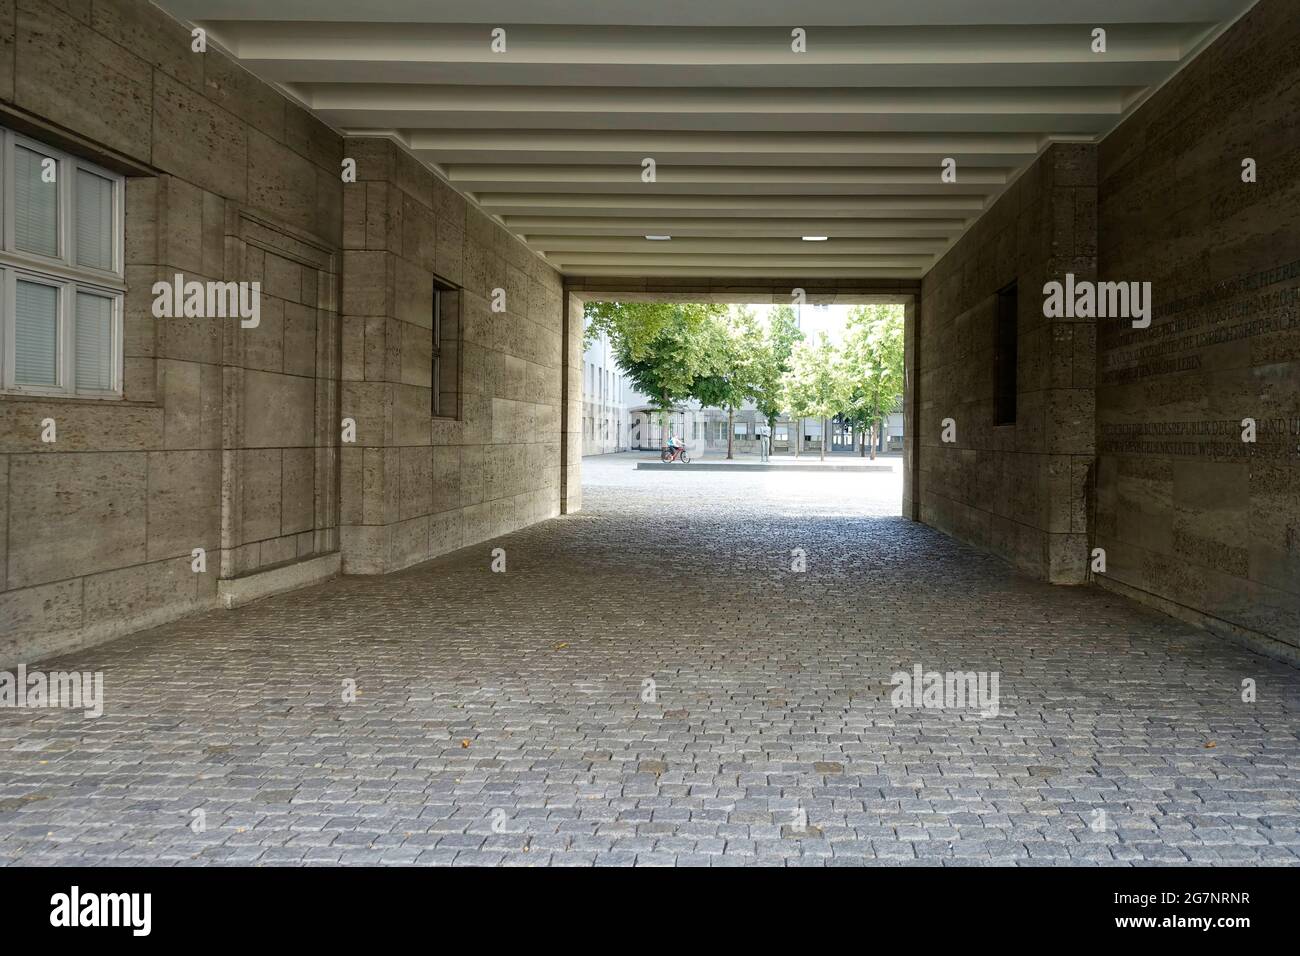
664, 348
772, 361
815, 386
635, 327
871, 367
735, 344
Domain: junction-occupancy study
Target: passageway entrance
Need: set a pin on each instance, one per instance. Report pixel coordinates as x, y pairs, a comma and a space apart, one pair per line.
879, 455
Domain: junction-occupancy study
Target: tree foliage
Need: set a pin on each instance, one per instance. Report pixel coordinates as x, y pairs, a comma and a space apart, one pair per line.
723, 358
664, 348
734, 343
773, 361
871, 365
814, 386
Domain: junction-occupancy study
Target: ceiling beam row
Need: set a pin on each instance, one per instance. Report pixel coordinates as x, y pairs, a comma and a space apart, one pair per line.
878, 130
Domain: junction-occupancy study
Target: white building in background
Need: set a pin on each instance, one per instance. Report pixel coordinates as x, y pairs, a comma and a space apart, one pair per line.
646, 429
894, 432
705, 430
605, 394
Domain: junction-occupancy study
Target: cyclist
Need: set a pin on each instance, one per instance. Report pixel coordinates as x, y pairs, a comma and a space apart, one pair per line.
675, 446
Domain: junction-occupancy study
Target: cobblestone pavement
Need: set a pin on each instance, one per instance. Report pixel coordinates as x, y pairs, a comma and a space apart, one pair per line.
500, 718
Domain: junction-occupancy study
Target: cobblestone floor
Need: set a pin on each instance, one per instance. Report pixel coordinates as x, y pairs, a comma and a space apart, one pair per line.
500, 718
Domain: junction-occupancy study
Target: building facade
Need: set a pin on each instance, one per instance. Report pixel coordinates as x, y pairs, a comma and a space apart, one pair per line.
606, 421
705, 431
355, 405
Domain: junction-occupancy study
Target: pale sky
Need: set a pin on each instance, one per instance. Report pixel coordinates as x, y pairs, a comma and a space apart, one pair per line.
830, 319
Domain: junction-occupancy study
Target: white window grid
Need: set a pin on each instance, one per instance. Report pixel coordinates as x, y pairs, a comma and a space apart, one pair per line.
60, 271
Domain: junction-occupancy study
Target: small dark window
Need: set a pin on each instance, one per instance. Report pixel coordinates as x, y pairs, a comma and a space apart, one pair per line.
446, 354
1004, 357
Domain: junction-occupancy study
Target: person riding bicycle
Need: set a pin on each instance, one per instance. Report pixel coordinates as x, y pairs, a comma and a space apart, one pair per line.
675, 446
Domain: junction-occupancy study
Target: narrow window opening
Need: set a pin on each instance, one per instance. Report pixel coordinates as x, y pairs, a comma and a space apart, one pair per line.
446, 354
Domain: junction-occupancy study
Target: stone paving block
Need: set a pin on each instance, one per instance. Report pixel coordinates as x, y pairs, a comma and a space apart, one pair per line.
522, 693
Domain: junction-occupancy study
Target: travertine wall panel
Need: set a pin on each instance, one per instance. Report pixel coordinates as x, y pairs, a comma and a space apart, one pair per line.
1192, 518
415, 486
1019, 489
102, 523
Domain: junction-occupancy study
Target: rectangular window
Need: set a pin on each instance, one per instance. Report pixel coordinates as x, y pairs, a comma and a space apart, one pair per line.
94, 220
1004, 357
742, 429
61, 277
437, 350
36, 201
94, 331
445, 379
36, 333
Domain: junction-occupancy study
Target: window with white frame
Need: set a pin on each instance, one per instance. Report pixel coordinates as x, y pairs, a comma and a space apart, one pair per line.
60, 273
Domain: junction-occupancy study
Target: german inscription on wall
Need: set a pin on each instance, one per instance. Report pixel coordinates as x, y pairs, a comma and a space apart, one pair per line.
1258, 312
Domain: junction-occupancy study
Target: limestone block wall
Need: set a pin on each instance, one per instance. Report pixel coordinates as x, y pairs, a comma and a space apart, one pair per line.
1018, 490
414, 486
1193, 519
223, 439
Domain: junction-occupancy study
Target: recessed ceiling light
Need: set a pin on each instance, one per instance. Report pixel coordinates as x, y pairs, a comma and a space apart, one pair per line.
814, 238
659, 238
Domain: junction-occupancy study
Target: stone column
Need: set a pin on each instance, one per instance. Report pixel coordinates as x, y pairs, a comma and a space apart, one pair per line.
911, 403
570, 463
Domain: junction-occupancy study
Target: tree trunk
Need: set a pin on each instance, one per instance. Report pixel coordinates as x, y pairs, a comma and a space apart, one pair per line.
873, 441
825, 430
731, 432
862, 444
798, 437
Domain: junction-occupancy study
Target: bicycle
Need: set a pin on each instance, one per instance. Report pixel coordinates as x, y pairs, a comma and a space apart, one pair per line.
679, 454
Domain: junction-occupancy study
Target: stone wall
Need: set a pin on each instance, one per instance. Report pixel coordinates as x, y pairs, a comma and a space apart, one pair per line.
1017, 490
1192, 518
228, 438
230, 181
414, 486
